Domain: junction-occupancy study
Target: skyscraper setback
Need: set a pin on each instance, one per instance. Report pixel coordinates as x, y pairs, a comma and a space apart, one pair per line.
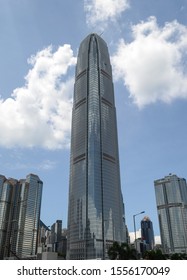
96, 210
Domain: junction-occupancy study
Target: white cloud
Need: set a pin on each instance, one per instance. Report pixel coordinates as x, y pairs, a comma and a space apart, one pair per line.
47, 165
103, 11
157, 239
153, 65
138, 235
132, 235
39, 113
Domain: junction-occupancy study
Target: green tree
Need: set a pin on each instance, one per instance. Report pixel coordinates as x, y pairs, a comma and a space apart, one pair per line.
154, 255
121, 252
178, 256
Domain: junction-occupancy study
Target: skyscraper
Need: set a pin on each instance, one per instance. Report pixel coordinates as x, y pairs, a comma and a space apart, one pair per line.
20, 203
171, 198
56, 234
147, 233
96, 211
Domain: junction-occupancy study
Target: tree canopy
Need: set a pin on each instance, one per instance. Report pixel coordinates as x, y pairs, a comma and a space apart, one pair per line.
122, 252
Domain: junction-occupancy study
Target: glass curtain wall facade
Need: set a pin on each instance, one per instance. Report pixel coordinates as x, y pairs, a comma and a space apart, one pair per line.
20, 203
31, 195
171, 198
96, 211
147, 233
56, 234
6, 190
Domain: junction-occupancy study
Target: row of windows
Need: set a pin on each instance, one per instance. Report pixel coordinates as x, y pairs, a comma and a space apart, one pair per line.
171, 192
86, 185
173, 224
106, 88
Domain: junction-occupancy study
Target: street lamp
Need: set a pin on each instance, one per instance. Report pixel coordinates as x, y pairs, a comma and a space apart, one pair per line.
135, 227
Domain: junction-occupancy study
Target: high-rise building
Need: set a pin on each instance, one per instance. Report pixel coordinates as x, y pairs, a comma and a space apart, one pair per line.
20, 203
56, 234
147, 233
96, 210
171, 198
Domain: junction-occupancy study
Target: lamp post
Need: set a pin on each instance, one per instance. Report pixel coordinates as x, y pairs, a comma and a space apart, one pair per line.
135, 227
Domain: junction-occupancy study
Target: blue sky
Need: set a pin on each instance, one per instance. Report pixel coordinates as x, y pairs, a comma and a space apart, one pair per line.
147, 41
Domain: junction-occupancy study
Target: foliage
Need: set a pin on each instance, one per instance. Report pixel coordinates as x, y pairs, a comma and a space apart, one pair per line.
154, 255
178, 256
158, 255
124, 252
121, 252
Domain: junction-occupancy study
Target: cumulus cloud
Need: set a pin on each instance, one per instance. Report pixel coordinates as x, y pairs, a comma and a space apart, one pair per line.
132, 235
103, 11
138, 235
39, 113
153, 65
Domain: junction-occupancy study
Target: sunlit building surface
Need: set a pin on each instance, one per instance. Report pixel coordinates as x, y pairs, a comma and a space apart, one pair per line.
96, 211
20, 203
171, 198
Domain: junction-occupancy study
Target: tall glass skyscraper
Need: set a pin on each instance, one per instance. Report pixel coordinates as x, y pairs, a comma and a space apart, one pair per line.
96, 210
147, 233
20, 203
171, 198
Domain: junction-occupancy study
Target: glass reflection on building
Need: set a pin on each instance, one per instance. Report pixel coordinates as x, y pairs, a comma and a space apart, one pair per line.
96, 212
171, 198
20, 203
147, 233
